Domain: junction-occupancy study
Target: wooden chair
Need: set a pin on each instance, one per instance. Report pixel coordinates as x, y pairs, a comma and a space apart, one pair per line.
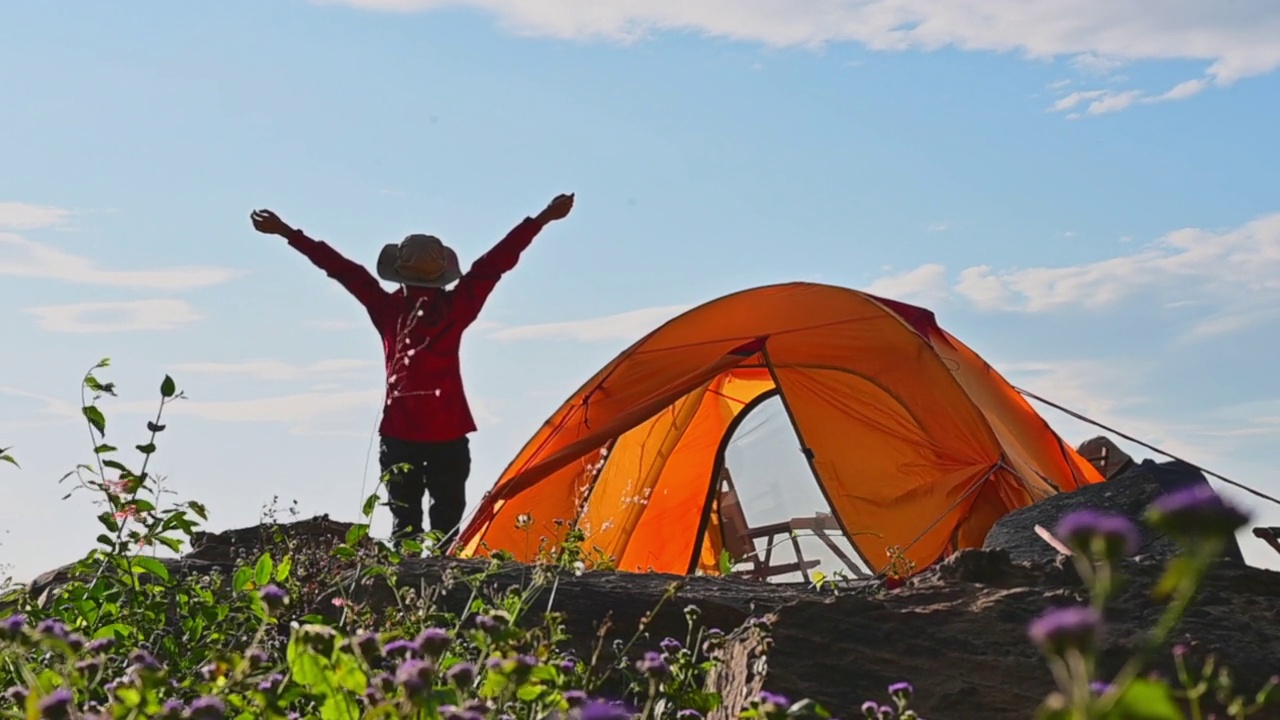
740, 539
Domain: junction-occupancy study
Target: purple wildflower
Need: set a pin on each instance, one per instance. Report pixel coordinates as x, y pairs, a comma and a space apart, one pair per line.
1099, 687
52, 628
1196, 512
772, 702
434, 641
368, 646
384, 682
575, 698
599, 710
1058, 630
57, 705
688, 714
89, 667
902, 689
653, 665
671, 646
11, 628
568, 665
415, 676
270, 684
522, 668
886, 713
257, 657
400, 648
462, 675
488, 624
274, 597
207, 708
1090, 531
172, 710
870, 709
143, 661
76, 642
17, 695
101, 645
456, 713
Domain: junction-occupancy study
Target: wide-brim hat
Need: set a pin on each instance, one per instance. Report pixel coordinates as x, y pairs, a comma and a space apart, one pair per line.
421, 260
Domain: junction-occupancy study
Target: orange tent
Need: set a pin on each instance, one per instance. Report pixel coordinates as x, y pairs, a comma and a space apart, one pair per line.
916, 443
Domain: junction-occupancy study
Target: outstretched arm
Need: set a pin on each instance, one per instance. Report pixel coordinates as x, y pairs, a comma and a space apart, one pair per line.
476, 285
351, 275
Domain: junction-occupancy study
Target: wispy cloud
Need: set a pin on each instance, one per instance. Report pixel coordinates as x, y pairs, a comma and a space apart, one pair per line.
20, 257
925, 284
115, 317
623, 326
25, 216
280, 370
1235, 40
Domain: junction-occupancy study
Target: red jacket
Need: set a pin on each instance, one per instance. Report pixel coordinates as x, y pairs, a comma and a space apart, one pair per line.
421, 331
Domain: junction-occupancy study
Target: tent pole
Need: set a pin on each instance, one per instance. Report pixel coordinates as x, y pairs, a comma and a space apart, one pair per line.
808, 455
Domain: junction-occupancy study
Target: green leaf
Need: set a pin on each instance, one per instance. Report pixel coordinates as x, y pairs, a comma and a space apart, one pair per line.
146, 449
242, 579
1179, 569
1146, 700
143, 506
168, 388
105, 539
262, 572
117, 465
6, 457
173, 544
339, 707
282, 570
344, 552
529, 693
154, 427
356, 533
370, 504
104, 448
198, 509
119, 631
151, 565
95, 418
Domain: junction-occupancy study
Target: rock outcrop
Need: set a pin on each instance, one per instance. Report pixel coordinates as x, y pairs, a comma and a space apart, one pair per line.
1128, 494
957, 631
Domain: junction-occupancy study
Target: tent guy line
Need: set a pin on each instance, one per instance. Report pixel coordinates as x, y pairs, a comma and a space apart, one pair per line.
1148, 446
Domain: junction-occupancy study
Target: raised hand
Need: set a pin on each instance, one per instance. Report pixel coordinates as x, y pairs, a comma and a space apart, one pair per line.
268, 223
558, 209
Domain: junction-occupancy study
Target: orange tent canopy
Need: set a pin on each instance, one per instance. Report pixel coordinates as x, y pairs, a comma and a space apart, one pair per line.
916, 443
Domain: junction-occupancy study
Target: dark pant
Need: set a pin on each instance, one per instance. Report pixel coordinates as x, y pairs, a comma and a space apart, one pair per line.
440, 469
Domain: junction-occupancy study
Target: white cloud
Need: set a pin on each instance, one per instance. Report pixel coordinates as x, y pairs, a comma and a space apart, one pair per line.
1102, 102
1107, 393
111, 317
623, 326
49, 405
280, 370
925, 284
20, 257
25, 216
1235, 40
1239, 266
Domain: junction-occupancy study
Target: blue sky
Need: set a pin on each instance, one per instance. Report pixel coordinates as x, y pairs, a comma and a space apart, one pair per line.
1083, 194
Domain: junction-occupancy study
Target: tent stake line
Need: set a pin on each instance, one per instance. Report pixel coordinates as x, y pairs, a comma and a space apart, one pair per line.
1150, 447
